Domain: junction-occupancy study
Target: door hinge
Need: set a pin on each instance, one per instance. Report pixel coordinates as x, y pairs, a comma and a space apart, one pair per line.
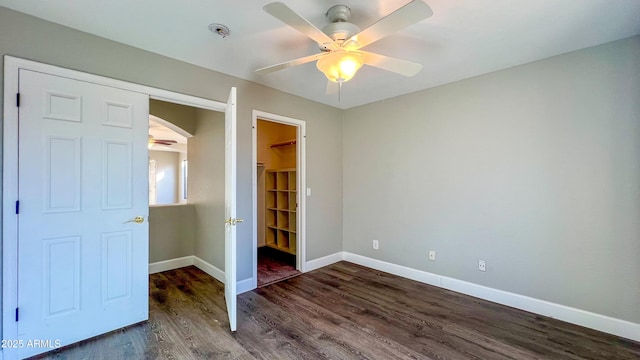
18, 99
16, 314
17, 207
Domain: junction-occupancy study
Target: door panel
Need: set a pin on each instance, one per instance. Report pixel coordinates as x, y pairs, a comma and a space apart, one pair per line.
82, 177
61, 278
116, 182
62, 174
116, 266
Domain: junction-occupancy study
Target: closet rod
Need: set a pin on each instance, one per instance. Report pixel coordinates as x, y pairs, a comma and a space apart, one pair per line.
283, 143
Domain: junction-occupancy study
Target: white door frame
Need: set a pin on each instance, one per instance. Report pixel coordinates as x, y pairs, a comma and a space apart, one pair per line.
12, 65
301, 175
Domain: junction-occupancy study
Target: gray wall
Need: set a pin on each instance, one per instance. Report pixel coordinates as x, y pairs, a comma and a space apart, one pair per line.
535, 169
206, 186
31, 38
171, 232
180, 115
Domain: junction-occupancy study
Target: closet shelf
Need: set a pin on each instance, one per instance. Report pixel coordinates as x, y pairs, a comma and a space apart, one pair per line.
281, 209
281, 228
280, 213
283, 143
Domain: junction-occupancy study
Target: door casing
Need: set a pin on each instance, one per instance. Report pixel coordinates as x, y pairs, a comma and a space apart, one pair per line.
10, 167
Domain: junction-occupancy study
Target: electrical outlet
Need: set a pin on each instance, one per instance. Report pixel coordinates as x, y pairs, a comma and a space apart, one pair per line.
432, 255
376, 245
482, 265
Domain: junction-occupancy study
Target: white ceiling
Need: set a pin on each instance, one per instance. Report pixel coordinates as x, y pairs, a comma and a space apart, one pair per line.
464, 38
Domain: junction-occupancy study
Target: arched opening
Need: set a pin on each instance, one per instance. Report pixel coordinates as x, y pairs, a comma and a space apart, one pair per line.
168, 162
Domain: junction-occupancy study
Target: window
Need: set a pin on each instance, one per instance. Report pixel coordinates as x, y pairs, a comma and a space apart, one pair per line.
185, 166
153, 168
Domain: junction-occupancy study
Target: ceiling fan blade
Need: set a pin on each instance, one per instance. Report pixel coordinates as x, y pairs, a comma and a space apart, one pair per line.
409, 14
290, 63
283, 13
398, 66
163, 141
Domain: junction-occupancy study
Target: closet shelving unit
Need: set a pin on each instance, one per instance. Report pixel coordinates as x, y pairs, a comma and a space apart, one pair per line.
281, 206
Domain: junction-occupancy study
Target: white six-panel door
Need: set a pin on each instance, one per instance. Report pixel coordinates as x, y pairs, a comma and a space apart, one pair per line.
230, 209
83, 180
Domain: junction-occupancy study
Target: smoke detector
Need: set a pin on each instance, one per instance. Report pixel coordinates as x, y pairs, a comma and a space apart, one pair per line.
219, 29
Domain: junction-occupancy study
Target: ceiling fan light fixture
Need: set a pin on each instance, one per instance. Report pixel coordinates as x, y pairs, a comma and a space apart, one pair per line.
340, 66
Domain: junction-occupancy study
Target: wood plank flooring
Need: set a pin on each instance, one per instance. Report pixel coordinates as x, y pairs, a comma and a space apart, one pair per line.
343, 311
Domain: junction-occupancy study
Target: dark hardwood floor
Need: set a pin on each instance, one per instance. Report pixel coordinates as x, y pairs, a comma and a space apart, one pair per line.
343, 311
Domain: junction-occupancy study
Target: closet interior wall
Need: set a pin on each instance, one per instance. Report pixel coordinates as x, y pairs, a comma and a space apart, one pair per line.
272, 158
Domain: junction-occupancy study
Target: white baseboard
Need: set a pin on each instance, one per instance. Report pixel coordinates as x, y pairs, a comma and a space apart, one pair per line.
405, 272
323, 261
584, 318
209, 269
170, 264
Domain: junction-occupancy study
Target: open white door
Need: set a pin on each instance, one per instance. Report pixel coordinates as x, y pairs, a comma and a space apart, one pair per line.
82, 229
230, 208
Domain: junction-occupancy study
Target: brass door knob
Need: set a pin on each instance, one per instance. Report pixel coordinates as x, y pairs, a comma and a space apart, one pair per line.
231, 221
137, 220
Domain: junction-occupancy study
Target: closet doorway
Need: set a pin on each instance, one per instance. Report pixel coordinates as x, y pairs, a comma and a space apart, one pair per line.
278, 169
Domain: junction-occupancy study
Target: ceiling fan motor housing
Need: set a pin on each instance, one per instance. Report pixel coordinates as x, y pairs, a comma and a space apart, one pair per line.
338, 13
339, 29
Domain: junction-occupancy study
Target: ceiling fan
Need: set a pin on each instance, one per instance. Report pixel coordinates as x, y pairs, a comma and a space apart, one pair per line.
166, 142
340, 41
